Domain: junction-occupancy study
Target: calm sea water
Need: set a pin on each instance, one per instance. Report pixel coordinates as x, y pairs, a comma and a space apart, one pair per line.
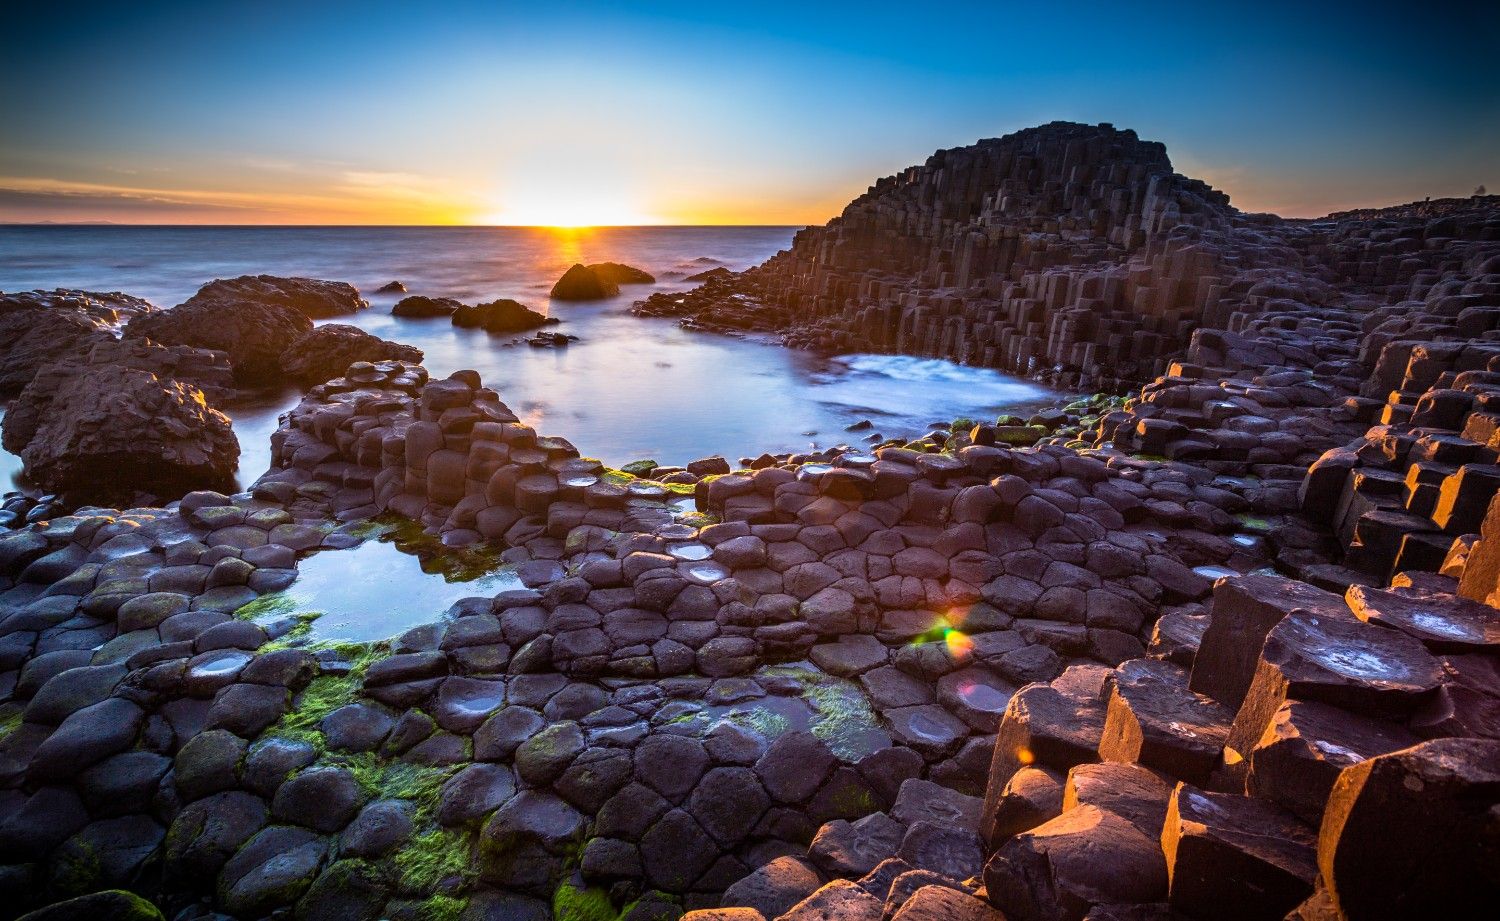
631, 388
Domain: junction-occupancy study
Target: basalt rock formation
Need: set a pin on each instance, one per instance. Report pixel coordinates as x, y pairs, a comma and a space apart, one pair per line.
311, 297
584, 283
622, 274
115, 430
327, 351
203, 370
500, 316
253, 334
1068, 252
40, 327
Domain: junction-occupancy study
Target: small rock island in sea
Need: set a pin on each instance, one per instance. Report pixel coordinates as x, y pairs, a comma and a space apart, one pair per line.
1220, 641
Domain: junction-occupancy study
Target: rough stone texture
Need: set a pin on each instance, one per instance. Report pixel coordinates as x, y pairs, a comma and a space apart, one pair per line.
327, 351
114, 426
253, 333
310, 296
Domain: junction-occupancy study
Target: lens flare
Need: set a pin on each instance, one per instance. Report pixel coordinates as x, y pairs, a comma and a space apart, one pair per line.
959, 644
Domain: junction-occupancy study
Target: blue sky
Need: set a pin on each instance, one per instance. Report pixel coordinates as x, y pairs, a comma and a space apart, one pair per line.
682, 113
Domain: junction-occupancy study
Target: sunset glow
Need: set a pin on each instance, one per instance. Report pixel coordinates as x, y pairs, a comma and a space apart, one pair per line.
765, 114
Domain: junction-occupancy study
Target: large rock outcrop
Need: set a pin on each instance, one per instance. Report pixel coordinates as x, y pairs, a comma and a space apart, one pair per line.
311, 297
585, 283
206, 370
500, 316
327, 351
41, 327
254, 334
116, 430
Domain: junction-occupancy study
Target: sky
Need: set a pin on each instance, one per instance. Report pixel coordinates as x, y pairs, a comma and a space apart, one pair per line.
711, 112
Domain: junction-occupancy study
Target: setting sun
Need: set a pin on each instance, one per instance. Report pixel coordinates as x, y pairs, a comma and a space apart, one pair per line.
558, 186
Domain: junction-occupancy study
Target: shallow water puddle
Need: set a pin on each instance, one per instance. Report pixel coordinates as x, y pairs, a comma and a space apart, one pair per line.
372, 592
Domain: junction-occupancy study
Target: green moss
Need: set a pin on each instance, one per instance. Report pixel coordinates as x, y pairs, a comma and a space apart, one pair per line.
10, 719
961, 424
442, 908
297, 637
1253, 524
276, 604
767, 723
454, 564
852, 800
75, 867
431, 857
570, 903
325, 694
640, 468
840, 709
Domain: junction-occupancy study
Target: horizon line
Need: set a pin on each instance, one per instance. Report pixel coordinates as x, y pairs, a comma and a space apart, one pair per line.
388, 226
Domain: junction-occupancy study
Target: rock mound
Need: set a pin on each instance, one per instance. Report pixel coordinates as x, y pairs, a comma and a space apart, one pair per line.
500, 316
253, 334
115, 425
582, 283
418, 306
205, 369
329, 350
311, 297
622, 274
41, 327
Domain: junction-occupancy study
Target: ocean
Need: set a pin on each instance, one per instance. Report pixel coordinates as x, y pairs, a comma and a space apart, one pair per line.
631, 387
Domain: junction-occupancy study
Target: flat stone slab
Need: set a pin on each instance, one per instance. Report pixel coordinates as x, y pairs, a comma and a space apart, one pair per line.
1057, 725
1338, 660
1082, 858
1244, 611
1304, 748
1444, 622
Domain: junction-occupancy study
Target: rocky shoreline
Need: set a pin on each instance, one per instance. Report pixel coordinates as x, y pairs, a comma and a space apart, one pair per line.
1202, 652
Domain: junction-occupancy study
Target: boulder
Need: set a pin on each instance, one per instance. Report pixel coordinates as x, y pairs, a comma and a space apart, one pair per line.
1305, 747
1235, 857
1058, 725
327, 352
620, 274
118, 431
1154, 719
1244, 611
500, 316
253, 334
206, 369
1335, 659
1084, 857
38, 328
582, 283
310, 297
108, 905
420, 306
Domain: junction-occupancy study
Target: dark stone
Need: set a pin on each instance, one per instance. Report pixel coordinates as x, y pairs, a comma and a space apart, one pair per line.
1413, 833
1235, 857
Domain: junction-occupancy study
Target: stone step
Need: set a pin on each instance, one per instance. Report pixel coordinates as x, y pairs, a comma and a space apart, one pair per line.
1243, 612
1235, 857
1332, 657
1152, 718
1443, 622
